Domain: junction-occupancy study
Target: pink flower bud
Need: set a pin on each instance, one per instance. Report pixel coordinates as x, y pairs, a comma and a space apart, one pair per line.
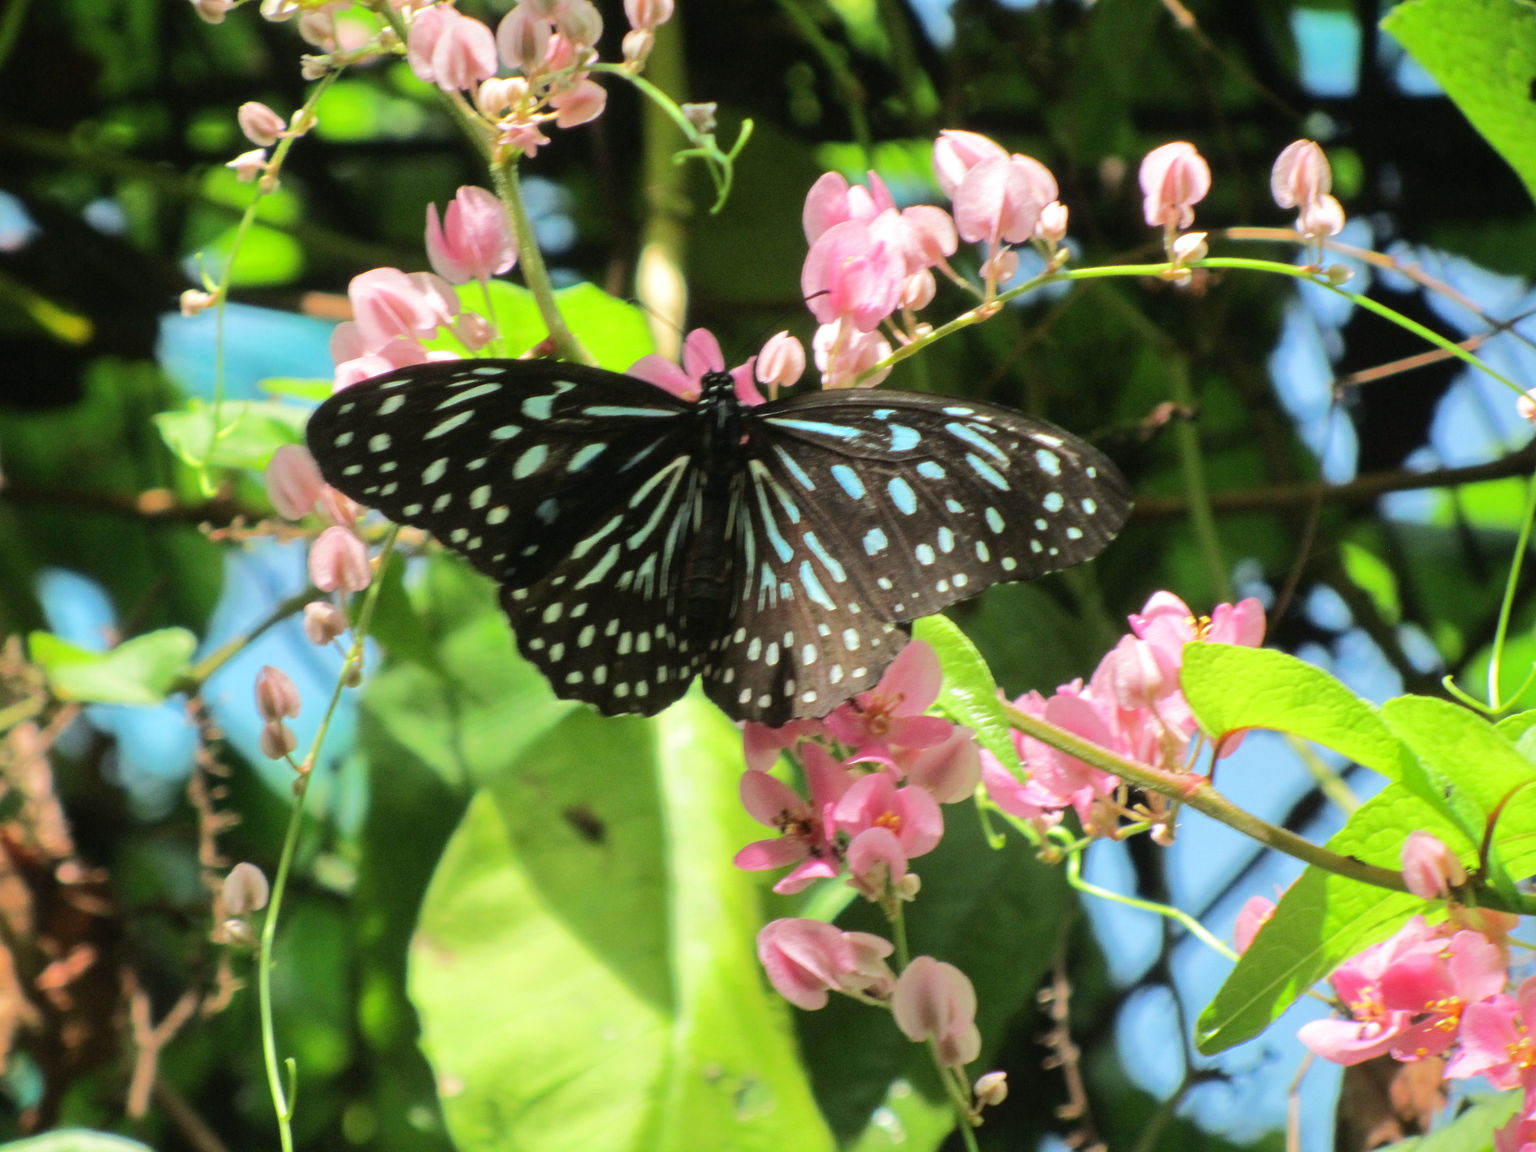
276, 696
936, 1001
1189, 246
1526, 407
194, 300
1254, 915
249, 165
579, 22
991, 1089
338, 560
522, 38
701, 115
245, 889
212, 11
474, 240
1321, 217
637, 45
1052, 228
277, 740
1430, 869
782, 360
387, 303
449, 49
1301, 174
918, 291
293, 481
647, 13
843, 354
260, 124
581, 102
1001, 267
499, 94
323, 622
1174, 178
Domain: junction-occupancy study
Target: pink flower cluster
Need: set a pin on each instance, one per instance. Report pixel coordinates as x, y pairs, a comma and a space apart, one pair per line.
1131, 705
1440, 992
876, 770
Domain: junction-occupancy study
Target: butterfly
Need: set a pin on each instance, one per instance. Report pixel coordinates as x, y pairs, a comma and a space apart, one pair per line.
779, 551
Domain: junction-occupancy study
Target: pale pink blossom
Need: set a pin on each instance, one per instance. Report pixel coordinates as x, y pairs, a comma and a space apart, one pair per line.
936, 1001
637, 45
449, 49
249, 165
805, 959
701, 357
647, 13
338, 561
323, 622
578, 103
948, 771
1174, 178
955, 153
891, 714
522, 38
877, 863
1000, 200
293, 481
1052, 229
245, 889
386, 304
805, 826
1301, 175
853, 274
843, 354
579, 22
781, 363
875, 801
1497, 1040
473, 241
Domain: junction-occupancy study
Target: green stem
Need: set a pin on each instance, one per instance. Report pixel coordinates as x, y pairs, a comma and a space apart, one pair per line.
283, 1096
1190, 924
535, 274
1496, 701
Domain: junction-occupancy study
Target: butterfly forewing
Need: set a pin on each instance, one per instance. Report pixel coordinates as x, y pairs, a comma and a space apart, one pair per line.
639, 540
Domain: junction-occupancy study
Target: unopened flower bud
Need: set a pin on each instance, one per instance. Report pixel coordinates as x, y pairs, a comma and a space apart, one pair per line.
245, 889
581, 102
579, 22
701, 116
1526, 406
338, 561
260, 124
1052, 228
249, 165
1173, 179
647, 13
782, 360
1430, 869
276, 696
277, 740
637, 45
936, 1001
1190, 246
991, 1089
212, 11
293, 481
237, 931
195, 300
323, 622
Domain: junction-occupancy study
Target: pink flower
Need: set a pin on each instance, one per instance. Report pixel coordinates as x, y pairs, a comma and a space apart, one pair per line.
578, 103
805, 827
999, 200
843, 354
1173, 179
955, 153
293, 481
386, 303
260, 124
852, 273
1407, 995
522, 38
936, 1001
874, 801
338, 561
323, 622
249, 165
832, 201
701, 356
948, 771
647, 13
449, 49
1496, 1040
891, 714
474, 241
1430, 869
805, 959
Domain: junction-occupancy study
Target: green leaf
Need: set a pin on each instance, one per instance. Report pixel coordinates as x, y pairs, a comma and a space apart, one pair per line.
969, 695
1483, 53
613, 331
1470, 768
1323, 919
247, 436
1231, 688
1471, 1131
1373, 576
589, 890
143, 670
75, 1140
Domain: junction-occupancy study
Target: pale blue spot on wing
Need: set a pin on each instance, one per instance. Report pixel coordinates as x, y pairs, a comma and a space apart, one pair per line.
1048, 461
794, 469
813, 587
904, 439
902, 495
988, 473
976, 440
931, 470
848, 480
817, 427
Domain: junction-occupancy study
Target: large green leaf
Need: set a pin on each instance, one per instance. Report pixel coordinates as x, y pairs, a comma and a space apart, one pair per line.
1483, 53
970, 695
1231, 688
1323, 919
583, 965
143, 670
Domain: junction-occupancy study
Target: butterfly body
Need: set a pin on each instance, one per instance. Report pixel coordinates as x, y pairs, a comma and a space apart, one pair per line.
778, 550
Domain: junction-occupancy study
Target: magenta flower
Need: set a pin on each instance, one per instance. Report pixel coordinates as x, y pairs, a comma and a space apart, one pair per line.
1496, 1041
891, 714
936, 1001
474, 241
805, 959
1430, 869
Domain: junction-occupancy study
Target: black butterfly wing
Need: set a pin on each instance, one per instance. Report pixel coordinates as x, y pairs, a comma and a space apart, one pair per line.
572, 487
927, 500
